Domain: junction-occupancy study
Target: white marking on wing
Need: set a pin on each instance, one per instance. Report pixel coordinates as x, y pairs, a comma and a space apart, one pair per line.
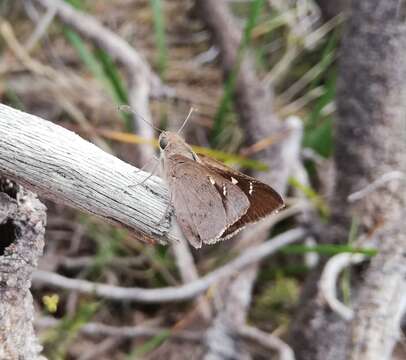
234, 181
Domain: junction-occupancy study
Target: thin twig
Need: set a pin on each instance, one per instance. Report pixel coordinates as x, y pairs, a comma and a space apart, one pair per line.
172, 294
328, 282
188, 271
381, 181
308, 216
268, 341
97, 329
78, 262
40, 30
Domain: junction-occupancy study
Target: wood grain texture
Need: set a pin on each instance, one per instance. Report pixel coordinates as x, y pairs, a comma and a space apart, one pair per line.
59, 165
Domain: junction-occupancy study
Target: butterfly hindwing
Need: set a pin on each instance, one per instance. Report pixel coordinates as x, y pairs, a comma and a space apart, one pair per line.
263, 199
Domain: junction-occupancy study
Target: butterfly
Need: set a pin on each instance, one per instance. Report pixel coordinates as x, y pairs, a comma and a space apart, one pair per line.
212, 201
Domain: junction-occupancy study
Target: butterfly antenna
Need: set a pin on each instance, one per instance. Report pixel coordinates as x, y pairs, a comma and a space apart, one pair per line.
186, 120
127, 108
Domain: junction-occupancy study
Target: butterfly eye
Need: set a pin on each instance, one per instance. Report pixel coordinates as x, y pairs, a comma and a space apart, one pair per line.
163, 142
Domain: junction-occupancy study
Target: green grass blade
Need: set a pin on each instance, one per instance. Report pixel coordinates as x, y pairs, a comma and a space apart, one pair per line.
149, 345
318, 134
13, 98
328, 249
77, 4
224, 109
160, 38
57, 340
103, 70
87, 57
113, 75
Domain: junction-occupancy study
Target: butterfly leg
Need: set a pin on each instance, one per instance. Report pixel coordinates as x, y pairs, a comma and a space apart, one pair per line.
147, 164
166, 210
153, 171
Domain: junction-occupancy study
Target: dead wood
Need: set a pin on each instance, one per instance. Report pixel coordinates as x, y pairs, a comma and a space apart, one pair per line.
253, 101
370, 142
22, 227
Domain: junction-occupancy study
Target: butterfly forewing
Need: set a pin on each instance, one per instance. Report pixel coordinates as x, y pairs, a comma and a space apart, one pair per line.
206, 203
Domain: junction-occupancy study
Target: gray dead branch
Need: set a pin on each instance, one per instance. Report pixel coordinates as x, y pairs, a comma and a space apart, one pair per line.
253, 101
184, 292
370, 143
22, 227
268, 341
132, 332
58, 164
381, 303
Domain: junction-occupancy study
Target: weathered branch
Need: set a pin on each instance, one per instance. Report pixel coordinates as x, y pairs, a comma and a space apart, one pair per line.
22, 227
381, 303
172, 294
370, 143
58, 164
253, 101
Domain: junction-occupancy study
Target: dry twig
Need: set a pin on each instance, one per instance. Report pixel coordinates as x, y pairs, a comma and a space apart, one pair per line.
381, 181
172, 294
328, 282
268, 341
58, 164
97, 329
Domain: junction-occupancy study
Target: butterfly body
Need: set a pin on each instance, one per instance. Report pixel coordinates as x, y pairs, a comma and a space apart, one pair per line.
212, 201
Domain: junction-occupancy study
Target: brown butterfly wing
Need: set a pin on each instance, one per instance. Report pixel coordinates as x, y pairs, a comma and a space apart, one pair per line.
206, 203
263, 199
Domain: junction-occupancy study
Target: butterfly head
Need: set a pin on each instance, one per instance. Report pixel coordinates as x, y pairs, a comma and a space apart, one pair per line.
172, 143
163, 141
